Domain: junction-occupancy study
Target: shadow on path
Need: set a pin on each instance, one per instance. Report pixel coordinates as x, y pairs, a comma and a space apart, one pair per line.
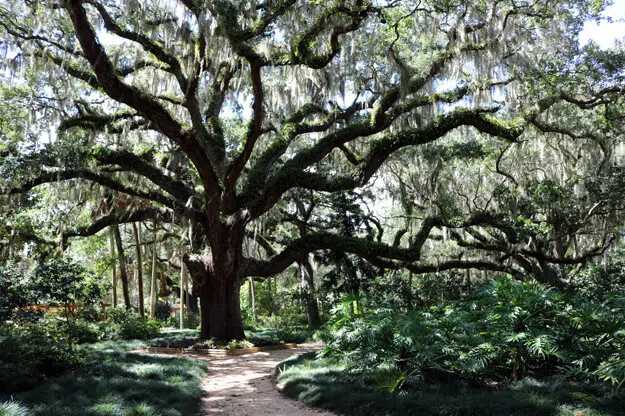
245, 385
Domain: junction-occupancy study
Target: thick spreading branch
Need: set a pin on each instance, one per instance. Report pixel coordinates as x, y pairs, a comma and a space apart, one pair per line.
144, 103
162, 215
132, 162
104, 180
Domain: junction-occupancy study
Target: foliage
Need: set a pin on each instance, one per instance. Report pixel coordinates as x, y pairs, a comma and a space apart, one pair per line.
597, 283
338, 386
61, 281
207, 344
239, 345
31, 354
273, 336
162, 311
118, 382
123, 324
12, 408
190, 320
80, 331
65, 282
505, 331
221, 127
16, 294
90, 313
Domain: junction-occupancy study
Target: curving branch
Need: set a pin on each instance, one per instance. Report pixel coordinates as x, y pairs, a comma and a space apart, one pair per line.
162, 215
255, 129
294, 174
373, 251
378, 254
104, 180
132, 162
173, 65
146, 104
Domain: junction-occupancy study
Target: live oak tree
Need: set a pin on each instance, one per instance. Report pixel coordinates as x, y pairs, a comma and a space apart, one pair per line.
213, 110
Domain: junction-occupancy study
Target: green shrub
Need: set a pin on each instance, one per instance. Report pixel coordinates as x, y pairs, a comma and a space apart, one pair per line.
239, 345
162, 311
81, 331
140, 328
271, 336
505, 330
32, 353
122, 324
596, 283
85, 332
207, 344
90, 313
16, 293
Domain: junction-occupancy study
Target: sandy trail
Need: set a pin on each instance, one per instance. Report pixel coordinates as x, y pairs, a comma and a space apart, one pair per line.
245, 385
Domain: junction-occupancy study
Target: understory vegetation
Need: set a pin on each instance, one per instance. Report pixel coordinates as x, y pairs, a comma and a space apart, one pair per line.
508, 347
344, 388
115, 381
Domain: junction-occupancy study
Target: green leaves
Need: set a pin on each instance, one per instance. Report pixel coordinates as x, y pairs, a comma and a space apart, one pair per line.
61, 280
506, 329
15, 295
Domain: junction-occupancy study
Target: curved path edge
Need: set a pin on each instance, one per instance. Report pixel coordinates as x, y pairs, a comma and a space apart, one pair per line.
245, 385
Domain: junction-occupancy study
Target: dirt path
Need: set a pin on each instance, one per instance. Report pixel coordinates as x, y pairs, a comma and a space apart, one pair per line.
245, 386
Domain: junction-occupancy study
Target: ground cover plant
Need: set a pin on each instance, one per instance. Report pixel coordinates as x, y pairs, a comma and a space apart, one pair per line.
336, 385
508, 339
116, 381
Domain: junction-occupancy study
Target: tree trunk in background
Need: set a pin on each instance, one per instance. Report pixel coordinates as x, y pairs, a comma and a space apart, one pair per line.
114, 283
252, 297
409, 302
153, 278
123, 274
183, 281
136, 231
163, 286
307, 289
190, 300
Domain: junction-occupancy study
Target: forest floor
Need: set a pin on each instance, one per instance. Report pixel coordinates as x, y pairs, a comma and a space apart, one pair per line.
245, 385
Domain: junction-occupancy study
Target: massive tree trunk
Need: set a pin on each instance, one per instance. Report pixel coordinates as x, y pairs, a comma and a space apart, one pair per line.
221, 308
307, 288
219, 286
123, 274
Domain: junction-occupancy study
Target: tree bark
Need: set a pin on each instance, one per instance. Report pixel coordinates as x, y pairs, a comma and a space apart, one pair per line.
138, 242
153, 278
252, 298
409, 301
307, 289
163, 286
114, 283
123, 274
219, 301
183, 282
